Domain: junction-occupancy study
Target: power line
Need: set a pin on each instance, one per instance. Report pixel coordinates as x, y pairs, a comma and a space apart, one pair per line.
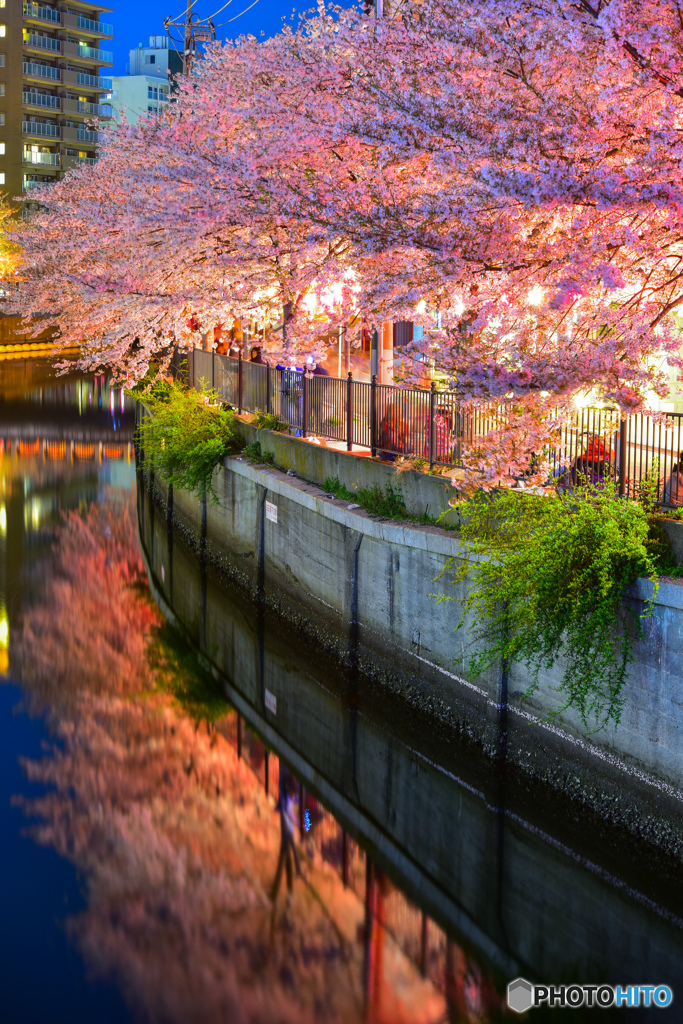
241, 13
181, 15
221, 9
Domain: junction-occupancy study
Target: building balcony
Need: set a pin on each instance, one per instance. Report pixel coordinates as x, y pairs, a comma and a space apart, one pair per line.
39, 99
44, 159
44, 44
41, 71
69, 161
83, 80
88, 54
39, 129
29, 183
80, 108
83, 135
86, 26
86, 7
42, 14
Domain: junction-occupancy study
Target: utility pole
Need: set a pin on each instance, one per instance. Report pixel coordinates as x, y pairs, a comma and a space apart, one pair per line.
187, 48
195, 30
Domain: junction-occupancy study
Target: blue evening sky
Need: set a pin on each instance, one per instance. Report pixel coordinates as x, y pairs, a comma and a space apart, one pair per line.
134, 22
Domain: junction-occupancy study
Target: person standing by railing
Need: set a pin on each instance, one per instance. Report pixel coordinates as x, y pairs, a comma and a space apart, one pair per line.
673, 488
392, 437
317, 405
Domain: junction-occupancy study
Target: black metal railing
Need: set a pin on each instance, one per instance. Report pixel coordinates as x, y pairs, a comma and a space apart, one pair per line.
430, 424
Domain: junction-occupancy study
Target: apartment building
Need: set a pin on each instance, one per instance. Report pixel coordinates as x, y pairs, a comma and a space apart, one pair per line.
138, 94
51, 87
148, 86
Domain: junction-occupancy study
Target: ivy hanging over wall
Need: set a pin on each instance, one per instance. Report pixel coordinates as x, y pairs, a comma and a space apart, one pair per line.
546, 577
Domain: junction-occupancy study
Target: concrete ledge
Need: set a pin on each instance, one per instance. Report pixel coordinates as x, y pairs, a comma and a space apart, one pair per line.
421, 492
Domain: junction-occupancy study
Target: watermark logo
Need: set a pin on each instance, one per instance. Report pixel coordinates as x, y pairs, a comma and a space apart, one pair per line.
523, 996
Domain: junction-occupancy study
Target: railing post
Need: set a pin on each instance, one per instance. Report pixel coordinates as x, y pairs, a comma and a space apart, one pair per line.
432, 425
349, 412
267, 387
213, 370
623, 457
304, 403
239, 383
373, 415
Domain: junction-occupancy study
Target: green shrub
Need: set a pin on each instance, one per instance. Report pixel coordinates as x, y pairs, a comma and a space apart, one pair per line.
389, 505
547, 576
268, 421
255, 453
184, 438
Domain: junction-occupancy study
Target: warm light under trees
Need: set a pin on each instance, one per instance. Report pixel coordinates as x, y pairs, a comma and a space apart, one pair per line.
10, 252
512, 167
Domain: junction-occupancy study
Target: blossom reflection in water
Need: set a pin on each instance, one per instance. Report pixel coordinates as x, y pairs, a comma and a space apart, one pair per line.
182, 848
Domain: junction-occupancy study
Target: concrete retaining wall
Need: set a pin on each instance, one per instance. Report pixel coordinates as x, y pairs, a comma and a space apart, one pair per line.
370, 589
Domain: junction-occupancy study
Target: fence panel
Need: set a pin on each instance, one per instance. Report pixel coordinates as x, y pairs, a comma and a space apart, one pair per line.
360, 402
203, 369
449, 430
254, 387
326, 407
225, 379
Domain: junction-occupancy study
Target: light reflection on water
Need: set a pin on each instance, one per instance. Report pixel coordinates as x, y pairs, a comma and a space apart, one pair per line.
180, 858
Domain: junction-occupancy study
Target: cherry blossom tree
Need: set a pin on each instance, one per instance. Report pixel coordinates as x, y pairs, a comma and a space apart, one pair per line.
506, 174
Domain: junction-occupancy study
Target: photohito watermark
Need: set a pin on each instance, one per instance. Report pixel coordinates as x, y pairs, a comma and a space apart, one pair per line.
523, 996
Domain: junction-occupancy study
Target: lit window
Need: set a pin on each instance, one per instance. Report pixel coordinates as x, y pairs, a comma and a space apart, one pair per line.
2, 3
3, 31
2, 178
2, 148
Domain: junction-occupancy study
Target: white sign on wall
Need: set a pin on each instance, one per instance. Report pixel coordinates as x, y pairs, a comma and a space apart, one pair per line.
271, 702
271, 511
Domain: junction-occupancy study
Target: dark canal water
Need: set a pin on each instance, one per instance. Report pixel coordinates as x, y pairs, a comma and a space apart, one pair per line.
281, 845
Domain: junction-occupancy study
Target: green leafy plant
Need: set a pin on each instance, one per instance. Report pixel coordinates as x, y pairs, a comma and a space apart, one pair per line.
268, 421
546, 577
184, 437
255, 453
389, 505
